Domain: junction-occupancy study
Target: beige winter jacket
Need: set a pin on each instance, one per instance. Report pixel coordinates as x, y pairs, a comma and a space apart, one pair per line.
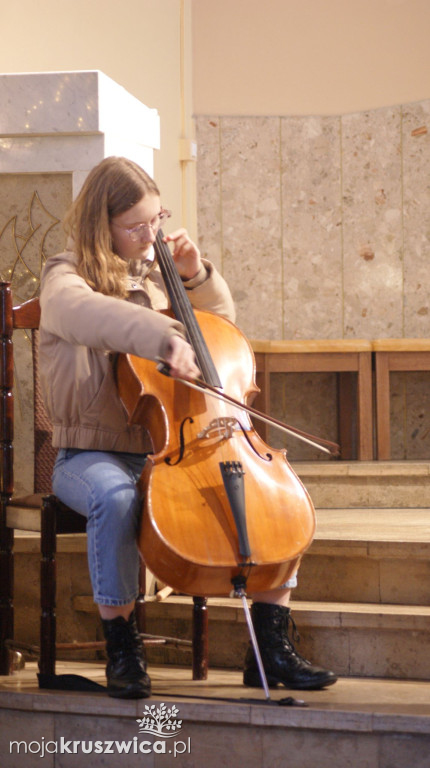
79, 331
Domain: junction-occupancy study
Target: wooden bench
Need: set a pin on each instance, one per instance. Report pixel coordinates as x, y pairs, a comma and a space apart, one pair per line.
394, 355
350, 359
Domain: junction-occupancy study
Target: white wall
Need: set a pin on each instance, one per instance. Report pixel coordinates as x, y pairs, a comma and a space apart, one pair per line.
286, 57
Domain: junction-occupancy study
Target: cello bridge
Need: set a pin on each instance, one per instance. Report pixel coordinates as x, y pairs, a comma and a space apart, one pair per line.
222, 427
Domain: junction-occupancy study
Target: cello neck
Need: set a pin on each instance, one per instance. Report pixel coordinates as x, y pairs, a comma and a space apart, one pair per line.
184, 312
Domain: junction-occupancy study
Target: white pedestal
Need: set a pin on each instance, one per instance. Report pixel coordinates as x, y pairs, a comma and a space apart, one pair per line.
69, 121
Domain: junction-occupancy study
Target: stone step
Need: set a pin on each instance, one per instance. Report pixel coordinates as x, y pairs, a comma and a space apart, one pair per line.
353, 639
366, 483
368, 555
357, 723
371, 562
361, 640
379, 556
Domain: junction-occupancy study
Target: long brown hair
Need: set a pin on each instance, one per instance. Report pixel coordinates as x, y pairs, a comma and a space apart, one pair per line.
112, 187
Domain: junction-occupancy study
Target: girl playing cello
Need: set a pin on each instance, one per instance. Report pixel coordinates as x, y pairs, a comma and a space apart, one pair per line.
102, 295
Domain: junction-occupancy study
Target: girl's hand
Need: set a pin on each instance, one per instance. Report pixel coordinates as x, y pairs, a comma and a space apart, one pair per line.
181, 360
185, 254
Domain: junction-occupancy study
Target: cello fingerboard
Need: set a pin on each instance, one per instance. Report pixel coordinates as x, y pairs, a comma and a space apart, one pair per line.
184, 312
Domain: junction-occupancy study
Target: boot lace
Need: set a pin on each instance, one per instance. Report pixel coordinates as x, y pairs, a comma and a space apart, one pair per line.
295, 637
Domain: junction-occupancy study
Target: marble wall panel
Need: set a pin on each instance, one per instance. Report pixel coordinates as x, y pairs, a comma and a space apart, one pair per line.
311, 228
209, 189
31, 209
251, 221
416, 217
326, 222
372, 224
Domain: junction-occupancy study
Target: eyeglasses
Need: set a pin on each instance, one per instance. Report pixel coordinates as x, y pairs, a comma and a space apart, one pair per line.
142, 230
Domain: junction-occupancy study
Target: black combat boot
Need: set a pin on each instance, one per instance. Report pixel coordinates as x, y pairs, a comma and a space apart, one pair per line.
281, 662
126, 667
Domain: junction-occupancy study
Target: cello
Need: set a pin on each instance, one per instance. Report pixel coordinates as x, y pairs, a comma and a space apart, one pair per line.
220, 507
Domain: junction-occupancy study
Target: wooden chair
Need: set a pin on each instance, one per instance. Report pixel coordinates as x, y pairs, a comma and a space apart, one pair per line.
44, 513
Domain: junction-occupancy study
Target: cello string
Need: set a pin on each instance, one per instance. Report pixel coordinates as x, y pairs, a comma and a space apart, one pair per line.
184, 312
183, 309
174, 295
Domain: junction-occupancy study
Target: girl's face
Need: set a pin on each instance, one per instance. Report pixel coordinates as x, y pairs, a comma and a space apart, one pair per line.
133, 232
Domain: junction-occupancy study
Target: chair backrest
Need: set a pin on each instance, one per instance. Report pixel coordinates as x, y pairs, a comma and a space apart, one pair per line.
26, 317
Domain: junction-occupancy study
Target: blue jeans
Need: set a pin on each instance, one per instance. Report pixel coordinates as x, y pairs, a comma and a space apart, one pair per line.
102, 486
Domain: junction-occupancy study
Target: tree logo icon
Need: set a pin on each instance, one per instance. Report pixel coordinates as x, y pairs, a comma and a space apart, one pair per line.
160, 721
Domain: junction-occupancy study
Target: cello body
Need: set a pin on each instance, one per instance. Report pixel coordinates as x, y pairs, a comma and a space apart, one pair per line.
189, 536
